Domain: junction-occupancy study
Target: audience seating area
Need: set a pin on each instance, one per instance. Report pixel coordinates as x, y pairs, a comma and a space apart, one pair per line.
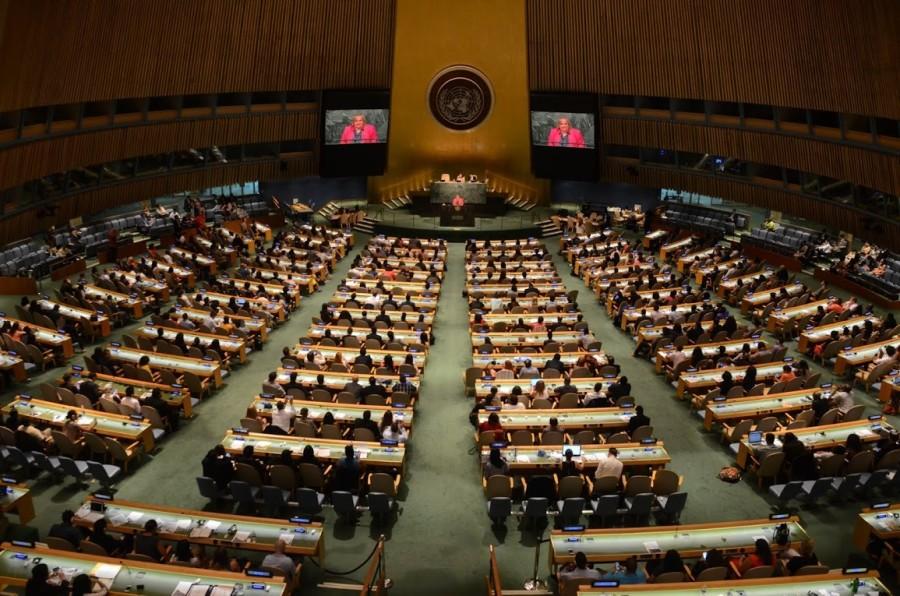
784, 239
703, 219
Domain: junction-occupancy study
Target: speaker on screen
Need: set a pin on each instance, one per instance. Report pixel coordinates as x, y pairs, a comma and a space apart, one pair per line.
354, 133
564, 129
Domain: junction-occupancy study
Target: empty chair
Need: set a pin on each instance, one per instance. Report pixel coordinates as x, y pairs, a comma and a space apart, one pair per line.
77, 469
207, 488
105, 474
620, 437
670, 577
845, 487
641, 433
584, 437
829, 417
345, 505
812, 490
767, 424
570, 510
861, 462
47, 463
769, 468
309, 501
243, 493
535, 509
854, 413
637, 484
552, 437
712, 574
639, 507
759, 572
671, 506
499, 508
275, 500
606, 507
665, 482
57, 543
381, 506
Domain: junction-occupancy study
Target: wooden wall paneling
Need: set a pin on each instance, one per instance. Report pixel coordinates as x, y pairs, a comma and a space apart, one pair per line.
823, 54
841, 217
40, 158
873, 169
66, 51
92, 201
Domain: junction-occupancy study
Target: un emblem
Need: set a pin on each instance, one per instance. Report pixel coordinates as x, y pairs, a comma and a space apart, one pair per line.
460, 97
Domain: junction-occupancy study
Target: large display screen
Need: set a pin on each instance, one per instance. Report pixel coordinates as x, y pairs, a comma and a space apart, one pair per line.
564, 130
356, 126
570, 130
354, 133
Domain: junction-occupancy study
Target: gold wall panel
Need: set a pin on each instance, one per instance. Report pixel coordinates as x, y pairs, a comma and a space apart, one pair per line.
431, 35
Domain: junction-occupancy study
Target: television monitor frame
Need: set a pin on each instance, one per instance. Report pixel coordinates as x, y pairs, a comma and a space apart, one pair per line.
565, 163
364, 159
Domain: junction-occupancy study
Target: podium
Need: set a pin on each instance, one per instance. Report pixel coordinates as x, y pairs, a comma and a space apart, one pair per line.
459, 217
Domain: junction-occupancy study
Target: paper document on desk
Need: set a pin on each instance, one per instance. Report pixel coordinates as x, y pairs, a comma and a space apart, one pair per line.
652, 546
201, 532
213, 525
222, 591
134, 517
323, 452
182, 589
198, 590
90, 516
522, 459
286, 537
241, 536
184, 524
106, 571
168, 526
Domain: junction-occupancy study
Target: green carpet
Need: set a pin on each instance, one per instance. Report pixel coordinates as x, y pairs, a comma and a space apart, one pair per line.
438, 543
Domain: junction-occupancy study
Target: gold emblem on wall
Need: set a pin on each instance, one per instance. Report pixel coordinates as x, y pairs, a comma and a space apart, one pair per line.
460, 97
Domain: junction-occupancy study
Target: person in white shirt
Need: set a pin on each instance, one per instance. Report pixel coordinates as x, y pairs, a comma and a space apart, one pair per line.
395, 432
888, 355
587, 338
842, 400
282, 417
130, 401
578, 571
280, 560
514, 404
610, 465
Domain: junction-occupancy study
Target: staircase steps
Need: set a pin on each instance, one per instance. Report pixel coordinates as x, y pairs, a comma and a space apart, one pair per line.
549, 228
366, 225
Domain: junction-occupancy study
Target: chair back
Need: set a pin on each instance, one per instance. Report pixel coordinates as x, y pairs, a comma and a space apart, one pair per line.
247, 473
759, 572
552, 437
57, 543
312, 476
641, 433
665, 482
91, 548
383, 483
638, 484
771, 465
670, 577
861, 462
854, 413
283, 477
713, 574
570, 487
64, 444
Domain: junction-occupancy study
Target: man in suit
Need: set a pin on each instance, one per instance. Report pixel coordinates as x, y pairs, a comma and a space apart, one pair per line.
363, 358
638, 420
374, 388
89, 388
367, 422
618, 389
565, 136
358, 131
271, 385
353, 387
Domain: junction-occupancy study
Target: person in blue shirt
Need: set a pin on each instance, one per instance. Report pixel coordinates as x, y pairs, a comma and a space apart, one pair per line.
628, 573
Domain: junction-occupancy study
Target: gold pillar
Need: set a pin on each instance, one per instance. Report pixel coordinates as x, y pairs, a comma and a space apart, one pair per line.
430, 35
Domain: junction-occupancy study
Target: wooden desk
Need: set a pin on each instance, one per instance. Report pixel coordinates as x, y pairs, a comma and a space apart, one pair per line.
651, 238
271, 289
231, 344
633, 314
14, 365
505, 386
132, 303
208, 528
861, 355
881, 523
398, 288
652, 333
571, 420
492, 244
349, 354
834, 583
337, 381
102, 423
307, 283
273, 308
316, 332
394, 315
231, 255
690, 540
727, 285
702, 272
684, 263
370, 455
157, 579
543, 458
370, 273
711, 349
778, 318
549, 318
696, 381
16, 498
251, 324
740, 408
175, 396
420, 303
184, 274
753, 300
536, 276
205, 369
814, 335
344, 414
648, 295
146, 284
503, 289
101, 323
666, 249
889, 385
45, 336
538, 359
524, 338
196, 259
817, 438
